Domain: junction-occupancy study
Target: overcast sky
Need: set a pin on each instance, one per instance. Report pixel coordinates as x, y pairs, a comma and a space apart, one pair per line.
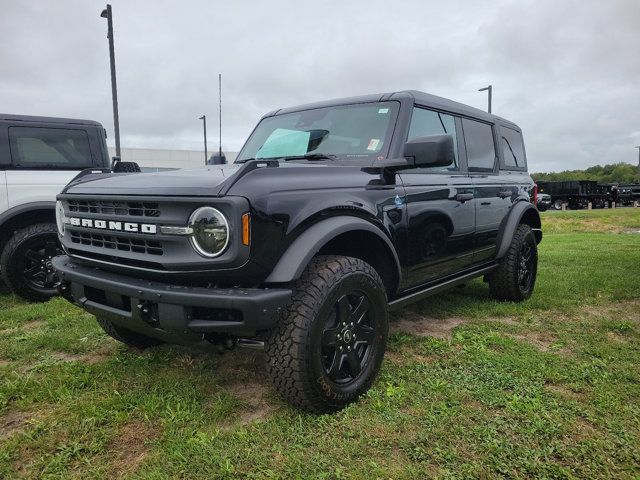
566, 71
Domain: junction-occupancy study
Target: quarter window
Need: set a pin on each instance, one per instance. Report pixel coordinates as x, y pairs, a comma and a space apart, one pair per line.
33, 147
481, 152
425, 123
512, 149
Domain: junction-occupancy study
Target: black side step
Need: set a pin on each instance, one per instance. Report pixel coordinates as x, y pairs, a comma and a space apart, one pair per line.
432, 290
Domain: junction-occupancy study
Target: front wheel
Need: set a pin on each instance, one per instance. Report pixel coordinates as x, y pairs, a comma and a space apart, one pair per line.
329, 345
515, 277
26, 262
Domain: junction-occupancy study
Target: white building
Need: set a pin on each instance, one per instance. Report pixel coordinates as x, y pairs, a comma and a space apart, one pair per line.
159, 158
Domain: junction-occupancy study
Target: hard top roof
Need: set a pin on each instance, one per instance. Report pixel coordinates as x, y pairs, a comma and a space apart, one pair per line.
420, 98
35, 119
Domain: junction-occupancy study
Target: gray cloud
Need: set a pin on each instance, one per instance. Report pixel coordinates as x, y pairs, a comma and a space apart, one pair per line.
564, 71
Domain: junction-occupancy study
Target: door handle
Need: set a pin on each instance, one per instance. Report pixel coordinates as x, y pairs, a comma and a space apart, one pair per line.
505, 193
464, 197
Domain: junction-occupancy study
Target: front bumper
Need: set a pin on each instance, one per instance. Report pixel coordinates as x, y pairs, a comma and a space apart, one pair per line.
172, 313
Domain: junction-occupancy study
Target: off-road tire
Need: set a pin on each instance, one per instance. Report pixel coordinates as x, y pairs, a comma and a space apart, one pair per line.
126, 167
128, 337
504, 281
294, 349
12, 261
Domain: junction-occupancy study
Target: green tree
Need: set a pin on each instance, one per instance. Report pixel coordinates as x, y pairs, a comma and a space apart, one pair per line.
610, 173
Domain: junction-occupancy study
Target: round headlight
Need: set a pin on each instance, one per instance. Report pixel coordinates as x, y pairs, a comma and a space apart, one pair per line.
210, 231
61, 218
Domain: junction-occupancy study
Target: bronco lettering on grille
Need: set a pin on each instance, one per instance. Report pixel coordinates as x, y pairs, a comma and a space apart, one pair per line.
112, 225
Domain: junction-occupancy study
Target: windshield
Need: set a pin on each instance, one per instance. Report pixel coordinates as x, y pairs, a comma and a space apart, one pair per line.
345, 131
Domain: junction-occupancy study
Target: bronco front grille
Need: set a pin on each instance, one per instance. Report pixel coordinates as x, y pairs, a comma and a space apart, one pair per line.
115, 242
109, 207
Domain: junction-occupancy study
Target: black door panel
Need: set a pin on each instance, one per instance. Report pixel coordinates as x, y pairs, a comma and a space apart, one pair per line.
440, 225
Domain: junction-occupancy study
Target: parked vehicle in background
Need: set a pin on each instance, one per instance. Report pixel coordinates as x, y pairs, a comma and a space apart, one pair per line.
575, 194
38, 157
629, 193
543, 202
333, 213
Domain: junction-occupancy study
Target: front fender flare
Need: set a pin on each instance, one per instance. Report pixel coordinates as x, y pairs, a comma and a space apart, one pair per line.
518, 212
24, 208
308, 244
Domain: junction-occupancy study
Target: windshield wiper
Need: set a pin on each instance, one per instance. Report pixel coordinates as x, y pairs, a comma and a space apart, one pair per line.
311, 157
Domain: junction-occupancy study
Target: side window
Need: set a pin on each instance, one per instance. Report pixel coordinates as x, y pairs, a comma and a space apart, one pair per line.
481, 152
427, 122
512, 149
33, 147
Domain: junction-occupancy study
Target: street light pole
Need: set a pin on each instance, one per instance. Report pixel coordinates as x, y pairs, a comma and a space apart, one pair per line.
220, 115
489, 90
106, 13
204, 125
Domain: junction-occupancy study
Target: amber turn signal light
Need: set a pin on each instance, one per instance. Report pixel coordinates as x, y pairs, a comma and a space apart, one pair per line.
246, 228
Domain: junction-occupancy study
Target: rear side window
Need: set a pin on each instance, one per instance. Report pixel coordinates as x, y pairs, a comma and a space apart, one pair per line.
38, 147
481, 152
512, 149
425, 123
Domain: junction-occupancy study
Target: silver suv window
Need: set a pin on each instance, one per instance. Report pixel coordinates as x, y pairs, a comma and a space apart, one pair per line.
40, 147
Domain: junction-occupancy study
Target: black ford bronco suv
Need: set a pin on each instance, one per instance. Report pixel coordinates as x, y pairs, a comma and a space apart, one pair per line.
333, 214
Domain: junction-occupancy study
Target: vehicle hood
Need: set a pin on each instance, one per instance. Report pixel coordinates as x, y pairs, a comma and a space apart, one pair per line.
205, 181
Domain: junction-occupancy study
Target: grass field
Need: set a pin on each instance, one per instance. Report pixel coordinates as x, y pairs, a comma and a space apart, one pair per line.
470, 388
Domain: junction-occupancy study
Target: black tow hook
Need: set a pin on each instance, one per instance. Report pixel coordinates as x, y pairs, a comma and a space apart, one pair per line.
149, 313
64, 289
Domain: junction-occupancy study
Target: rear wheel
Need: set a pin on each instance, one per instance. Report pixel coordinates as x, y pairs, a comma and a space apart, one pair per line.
515, 278
330, 343
26, 262
128, 337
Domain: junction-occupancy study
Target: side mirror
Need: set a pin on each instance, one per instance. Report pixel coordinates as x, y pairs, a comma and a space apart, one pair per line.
432, 151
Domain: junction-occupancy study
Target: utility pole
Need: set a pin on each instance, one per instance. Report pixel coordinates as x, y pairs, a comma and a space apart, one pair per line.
220, 112
489, 90
204, 124
106, 13
638, 147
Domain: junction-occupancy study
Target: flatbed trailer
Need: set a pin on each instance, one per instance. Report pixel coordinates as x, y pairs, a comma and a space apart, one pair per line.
576, 194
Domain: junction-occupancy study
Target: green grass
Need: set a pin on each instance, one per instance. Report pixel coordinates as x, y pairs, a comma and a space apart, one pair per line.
547, 389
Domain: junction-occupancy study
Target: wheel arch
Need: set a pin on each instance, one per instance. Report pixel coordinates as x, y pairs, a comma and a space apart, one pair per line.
522, 212
340, 235
24, 215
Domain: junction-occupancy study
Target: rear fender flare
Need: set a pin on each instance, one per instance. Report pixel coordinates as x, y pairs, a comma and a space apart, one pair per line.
520, 211
298, 255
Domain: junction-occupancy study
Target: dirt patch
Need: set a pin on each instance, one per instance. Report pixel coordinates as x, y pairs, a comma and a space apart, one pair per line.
425, 326
12, 423
542, 341
242, 365
99, 356
254, 395
33, 325
616, 338
564, 392
130, 447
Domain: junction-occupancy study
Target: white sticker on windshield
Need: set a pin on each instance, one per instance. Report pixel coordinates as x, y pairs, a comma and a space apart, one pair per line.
383, 110
373, 144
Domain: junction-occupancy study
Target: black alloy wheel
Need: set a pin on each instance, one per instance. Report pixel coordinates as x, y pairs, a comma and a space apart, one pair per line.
526, 266
347, 337
26, 262
38, 272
